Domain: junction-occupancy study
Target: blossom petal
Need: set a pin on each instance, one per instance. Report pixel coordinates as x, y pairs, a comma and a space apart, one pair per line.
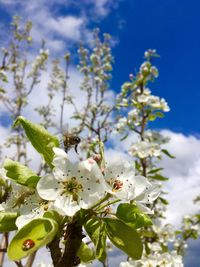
48, 187
24, 219
67, 205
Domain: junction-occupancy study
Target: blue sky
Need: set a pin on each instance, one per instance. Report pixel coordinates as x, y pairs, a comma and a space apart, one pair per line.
171, 27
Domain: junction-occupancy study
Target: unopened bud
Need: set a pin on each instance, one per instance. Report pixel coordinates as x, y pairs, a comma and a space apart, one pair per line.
131, 76
97, 157
67, 56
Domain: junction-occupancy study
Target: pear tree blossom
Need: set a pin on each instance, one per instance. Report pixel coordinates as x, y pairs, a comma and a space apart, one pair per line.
73, 185
83, 206
141, 108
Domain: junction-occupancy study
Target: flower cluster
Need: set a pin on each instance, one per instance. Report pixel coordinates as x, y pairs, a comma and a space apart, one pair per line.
75, 186
168, 259
39, 62
3, 76
98, 63
144, 149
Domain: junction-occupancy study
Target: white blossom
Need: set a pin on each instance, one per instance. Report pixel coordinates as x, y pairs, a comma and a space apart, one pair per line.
72, 186
145, 149
168, 259
33, 207
123, 184
16, 197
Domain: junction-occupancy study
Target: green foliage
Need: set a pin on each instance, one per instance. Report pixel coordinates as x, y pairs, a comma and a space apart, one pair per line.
132, 216
124, 237
158, 177
85, 253
166, 152
97, 232
20, 173
40, 231
164, 201
154, 116
155, 170
7, 221
40, 138
54, 215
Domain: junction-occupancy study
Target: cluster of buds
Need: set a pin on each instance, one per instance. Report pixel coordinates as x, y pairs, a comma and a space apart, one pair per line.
97, 64
39, 63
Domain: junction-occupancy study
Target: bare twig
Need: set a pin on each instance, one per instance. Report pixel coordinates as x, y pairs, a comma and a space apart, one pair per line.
31, 259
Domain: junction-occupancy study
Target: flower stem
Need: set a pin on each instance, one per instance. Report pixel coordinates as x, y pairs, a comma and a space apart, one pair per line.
101, 201
108, 203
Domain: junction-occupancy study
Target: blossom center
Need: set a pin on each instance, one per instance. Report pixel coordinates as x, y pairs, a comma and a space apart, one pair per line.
117, 185
73, 187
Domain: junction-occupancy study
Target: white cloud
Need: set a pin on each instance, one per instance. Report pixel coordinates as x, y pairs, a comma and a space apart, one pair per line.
55, 22
183, 171
39, 97
57, 30
101, 8
69, 26
184, 174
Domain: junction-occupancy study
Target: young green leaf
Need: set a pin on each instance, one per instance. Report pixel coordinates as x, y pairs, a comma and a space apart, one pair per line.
7, 221
40, 138
158, 177
160, 114
31, 237
85, 253
166, 152
54, 215
20, 173
152, 117
155, 170
97, 232
164, 201
132, 216
124, 237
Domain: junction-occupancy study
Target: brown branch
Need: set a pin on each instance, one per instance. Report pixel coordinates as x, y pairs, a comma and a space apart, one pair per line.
31, 259
65, 86
73, 236
3, 246
55, 250
19, 263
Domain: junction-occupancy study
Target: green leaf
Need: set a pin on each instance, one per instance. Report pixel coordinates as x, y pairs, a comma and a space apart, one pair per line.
40, 231
159, 114
158, 177
40, 138
164, 201
155, 170
84, 215
2, 90
124, 137
124, 237
166, 152
137, 165
20, 173
152, 117
147, 233
85, 253
132, 216
7, 221
54, 215
97, 232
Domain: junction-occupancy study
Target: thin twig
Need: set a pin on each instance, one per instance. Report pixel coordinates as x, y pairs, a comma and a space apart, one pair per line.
31, 259
3, 246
